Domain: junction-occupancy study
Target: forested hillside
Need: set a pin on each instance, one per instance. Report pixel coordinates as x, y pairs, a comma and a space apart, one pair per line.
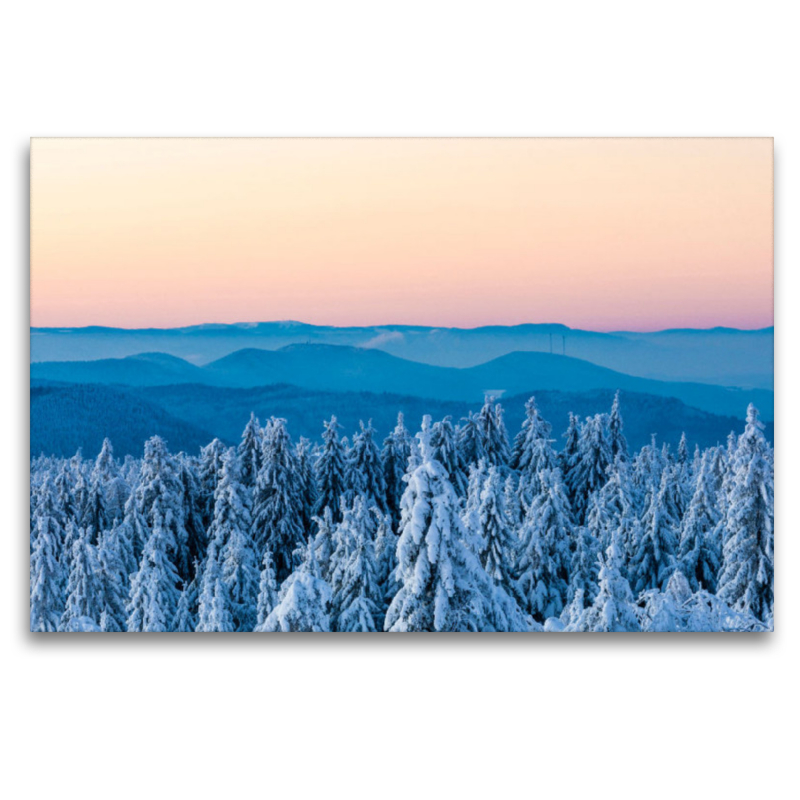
451, 529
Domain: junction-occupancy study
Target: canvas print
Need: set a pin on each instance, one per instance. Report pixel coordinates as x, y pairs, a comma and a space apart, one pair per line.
401, 385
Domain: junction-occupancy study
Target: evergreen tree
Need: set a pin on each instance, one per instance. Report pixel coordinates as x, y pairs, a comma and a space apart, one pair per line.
493, 432
545, 555
304, 601
533, 451
613, 609
304, 454
277, 517
746, 580
700, 551
249, 453
584, 569
498, 546
324, 541
193, 512
617, 441
445, 451
587, 470
185, 615
234, 547
394, 457
365, 470
664, 612
440, 579
386, 561
114, 580
330, 471
209, 474
153, 598
267, 589
357, 593
160, 486
84, 587
47, 579
470, 441
135, 528
654, 560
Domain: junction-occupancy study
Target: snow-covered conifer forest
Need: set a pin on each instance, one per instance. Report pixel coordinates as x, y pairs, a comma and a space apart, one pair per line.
456, 527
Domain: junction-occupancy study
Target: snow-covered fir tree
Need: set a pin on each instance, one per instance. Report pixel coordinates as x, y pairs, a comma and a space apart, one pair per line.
330, 470
587, 469
267, 589
47, 579
277, 511
613, 609
153, 598
445, 451
654, 560
249, 452
364, 474
304, 601
700, 550
84, 587
746, 580
543, 568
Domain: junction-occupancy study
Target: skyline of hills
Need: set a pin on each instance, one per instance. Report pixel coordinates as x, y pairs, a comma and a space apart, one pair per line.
342, 368
722, 356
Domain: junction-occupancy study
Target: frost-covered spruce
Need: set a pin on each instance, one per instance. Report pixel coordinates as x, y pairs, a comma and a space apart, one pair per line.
613, 509
160, 486
492, 429
394, 458
746, 580
267, 589
84, 587
48, 514
584, 568
358, 597
47, 579
613, 609
386, 560
234, 547
249, 452
330, 471
443, 585
700, 551
616, 437
364, 474
445, 451
498, 543
135, 528
654, 560
470, 441
533, 450
277, 511
186, 613
664, 611
153, 598
324, 543
544, 562
210, 472
305, 457
193, 510
214, 605
571, 438
588, 467
114, 579
303, 602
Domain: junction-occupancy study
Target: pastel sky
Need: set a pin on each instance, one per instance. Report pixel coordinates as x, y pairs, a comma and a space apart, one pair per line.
603, 234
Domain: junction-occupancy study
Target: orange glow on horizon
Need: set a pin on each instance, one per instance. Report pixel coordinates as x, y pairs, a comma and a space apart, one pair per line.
602, 234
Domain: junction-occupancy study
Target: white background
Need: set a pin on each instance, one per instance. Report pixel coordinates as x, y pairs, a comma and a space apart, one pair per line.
414, 717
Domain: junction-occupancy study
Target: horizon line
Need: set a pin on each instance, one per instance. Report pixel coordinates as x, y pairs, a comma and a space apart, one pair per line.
254, 324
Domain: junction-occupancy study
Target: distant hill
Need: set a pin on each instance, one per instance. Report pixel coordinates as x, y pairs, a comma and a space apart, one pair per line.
65, 417
722, 356
330, 368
